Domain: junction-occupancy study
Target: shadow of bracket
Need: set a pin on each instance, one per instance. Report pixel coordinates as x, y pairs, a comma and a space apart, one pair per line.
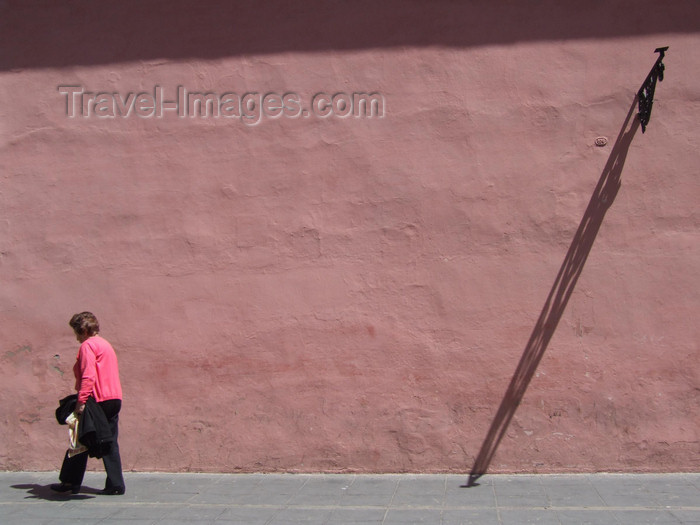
564, 284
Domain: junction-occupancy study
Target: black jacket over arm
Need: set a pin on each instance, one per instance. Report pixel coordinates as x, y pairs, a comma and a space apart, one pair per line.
93, 428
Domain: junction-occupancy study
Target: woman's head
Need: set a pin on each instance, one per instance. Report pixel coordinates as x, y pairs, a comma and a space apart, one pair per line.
84, 325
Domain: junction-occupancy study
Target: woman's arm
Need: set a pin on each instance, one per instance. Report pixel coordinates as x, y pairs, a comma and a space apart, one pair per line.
88, 374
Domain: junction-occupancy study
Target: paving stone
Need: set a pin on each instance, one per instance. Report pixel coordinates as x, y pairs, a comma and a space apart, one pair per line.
471, 517
645, 517
412, 516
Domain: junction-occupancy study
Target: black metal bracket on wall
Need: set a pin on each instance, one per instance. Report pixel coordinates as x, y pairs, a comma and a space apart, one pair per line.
645, 95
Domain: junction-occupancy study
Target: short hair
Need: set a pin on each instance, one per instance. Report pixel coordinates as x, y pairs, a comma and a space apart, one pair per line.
85, 323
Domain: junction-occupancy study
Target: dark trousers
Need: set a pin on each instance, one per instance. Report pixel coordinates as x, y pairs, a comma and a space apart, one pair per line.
73, 469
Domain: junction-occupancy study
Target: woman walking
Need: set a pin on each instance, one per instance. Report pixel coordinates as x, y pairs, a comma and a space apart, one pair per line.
96, 375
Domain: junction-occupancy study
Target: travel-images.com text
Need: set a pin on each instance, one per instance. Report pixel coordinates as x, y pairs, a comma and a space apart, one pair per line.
250, 108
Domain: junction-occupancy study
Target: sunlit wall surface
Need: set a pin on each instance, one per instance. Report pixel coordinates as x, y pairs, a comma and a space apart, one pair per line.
322, 235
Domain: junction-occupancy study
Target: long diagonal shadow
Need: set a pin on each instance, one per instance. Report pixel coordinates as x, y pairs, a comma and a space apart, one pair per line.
602, 198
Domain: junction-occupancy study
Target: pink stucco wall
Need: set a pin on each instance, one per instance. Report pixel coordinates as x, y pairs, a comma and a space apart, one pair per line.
311, 293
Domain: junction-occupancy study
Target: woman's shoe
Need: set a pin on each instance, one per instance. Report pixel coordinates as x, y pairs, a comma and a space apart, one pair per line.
114, 491
65, 487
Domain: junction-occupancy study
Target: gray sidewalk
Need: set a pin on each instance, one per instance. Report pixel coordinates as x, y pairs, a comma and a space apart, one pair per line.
25, 498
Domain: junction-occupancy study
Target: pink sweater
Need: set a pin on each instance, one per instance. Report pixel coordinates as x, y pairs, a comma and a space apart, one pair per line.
96, 371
